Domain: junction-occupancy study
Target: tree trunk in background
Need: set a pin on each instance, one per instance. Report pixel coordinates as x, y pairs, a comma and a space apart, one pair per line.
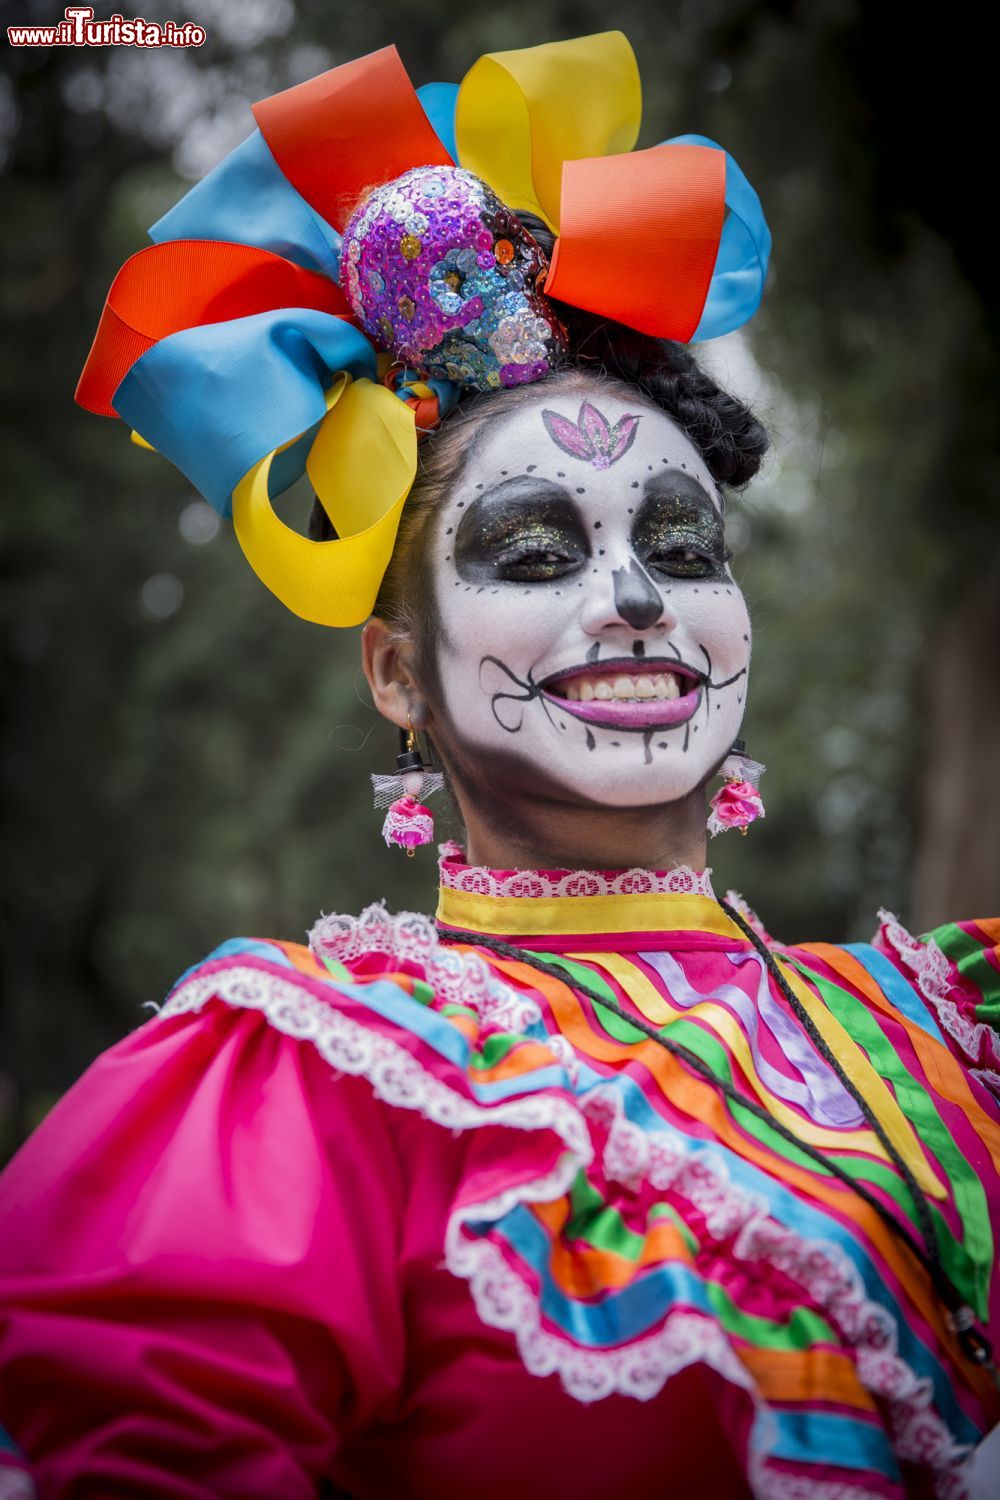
956, 869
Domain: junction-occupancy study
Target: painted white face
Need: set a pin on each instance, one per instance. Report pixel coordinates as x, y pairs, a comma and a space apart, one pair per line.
593, 641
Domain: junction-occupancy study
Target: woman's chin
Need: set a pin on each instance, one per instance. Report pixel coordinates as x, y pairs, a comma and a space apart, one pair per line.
639, 788
629, 770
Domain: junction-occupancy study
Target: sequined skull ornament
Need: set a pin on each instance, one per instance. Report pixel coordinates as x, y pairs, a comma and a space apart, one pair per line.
444, 276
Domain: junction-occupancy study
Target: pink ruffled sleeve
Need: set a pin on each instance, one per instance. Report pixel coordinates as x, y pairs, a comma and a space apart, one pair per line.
198, 1283
955, 968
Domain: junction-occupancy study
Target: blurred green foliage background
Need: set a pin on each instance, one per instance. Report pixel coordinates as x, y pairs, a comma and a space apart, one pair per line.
182, 760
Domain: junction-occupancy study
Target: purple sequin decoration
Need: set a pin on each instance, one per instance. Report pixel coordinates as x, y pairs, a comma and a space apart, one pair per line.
442, 275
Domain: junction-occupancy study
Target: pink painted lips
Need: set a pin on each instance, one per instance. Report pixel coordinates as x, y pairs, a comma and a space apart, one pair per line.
628, 692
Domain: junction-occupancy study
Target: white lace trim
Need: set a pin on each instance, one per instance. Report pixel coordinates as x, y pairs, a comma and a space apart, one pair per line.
16, 1484
700, 1175
395, 1075
479, 880
419, 824
410, 937
989, 1079
746, 911
932, 969
633, 1156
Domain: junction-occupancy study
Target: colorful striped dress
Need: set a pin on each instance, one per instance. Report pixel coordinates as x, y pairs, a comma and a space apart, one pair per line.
388, 1216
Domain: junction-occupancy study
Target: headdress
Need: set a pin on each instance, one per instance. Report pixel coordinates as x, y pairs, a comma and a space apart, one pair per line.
329, 289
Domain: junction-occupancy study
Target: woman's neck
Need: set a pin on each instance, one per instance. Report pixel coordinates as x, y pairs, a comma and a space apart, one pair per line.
530, 836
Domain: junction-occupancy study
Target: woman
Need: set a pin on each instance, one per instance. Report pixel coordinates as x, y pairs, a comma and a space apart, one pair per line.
589, 1183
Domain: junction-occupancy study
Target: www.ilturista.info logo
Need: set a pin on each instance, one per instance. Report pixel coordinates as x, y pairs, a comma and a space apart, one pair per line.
79, 29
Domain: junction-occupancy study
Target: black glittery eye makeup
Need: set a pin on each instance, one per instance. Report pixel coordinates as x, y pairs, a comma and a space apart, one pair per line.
678, 531
525, 530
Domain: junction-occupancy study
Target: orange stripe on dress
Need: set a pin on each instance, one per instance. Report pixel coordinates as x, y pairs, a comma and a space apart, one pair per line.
586, 1270
792, 1375
943, 1071
799, 1376
989, 925
520, 1059
302, 958
700, 1101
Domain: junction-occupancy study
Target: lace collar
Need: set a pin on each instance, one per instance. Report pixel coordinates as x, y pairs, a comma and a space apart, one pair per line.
564, 902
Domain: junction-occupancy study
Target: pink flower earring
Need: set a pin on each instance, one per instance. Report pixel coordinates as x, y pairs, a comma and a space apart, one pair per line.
408, 822
738, 803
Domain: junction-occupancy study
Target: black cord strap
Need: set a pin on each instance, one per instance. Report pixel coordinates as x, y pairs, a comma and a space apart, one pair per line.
974, 1343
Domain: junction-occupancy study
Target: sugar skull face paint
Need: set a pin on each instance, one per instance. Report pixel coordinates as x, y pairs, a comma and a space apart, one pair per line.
443, 275
591, 634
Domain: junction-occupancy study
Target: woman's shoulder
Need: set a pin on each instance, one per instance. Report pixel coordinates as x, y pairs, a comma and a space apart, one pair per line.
954, 968
377, 996
377, 966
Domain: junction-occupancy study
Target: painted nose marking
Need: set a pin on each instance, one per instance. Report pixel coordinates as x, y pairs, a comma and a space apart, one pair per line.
637, 600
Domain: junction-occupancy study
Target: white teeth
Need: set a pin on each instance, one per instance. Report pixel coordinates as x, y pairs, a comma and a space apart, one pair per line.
585, 689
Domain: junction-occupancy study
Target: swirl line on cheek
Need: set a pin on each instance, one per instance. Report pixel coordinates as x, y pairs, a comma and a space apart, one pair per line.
531, 691
709, 669
727, 680
709, 685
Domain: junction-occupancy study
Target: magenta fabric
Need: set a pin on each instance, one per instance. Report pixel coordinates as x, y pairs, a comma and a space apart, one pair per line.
407, 1219
227, 1271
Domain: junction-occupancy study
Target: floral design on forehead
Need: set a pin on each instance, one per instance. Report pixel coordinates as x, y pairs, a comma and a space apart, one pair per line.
327, 293
592, 437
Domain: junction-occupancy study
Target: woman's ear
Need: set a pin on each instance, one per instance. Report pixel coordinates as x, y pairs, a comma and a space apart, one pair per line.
385, 659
